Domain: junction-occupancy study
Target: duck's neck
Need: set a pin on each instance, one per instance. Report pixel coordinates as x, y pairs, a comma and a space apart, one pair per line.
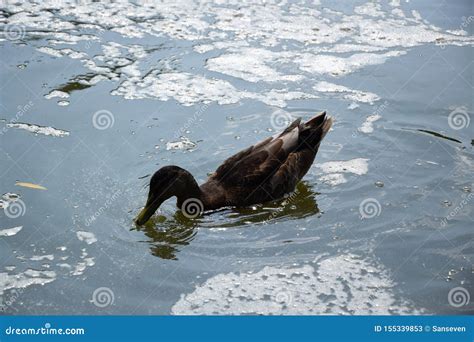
188, 188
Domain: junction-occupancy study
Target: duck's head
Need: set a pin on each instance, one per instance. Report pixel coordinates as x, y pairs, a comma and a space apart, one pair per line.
167, 182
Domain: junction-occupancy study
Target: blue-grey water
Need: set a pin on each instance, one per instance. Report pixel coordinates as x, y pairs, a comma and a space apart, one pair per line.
95, 97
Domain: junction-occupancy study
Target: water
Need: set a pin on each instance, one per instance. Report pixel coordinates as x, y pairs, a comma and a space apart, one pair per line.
96, 97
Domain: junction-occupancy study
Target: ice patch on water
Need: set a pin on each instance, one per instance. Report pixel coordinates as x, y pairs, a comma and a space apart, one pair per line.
10, 231
44, 130
344, 284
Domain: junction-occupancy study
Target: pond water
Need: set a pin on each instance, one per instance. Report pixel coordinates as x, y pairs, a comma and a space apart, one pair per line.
95, 97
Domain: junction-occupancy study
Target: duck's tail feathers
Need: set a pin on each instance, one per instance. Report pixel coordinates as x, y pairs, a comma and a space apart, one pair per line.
314, 130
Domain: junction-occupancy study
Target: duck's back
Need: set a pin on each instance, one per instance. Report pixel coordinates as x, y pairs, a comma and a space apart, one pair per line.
269, 169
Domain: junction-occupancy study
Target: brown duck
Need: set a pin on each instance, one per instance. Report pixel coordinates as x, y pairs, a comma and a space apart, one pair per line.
261, 173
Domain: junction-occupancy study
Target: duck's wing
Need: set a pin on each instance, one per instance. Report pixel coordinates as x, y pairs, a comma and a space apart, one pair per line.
256, 164
301, 158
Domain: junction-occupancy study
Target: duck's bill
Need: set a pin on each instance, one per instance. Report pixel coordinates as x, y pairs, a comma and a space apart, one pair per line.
143, 216
147, 212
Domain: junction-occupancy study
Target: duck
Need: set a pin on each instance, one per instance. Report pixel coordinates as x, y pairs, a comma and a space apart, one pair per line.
263, 172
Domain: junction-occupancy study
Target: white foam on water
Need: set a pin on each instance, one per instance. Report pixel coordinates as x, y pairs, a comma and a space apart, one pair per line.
368, 125
87, 237
250, 64
25, 279
43, 130
33, 275
188, 89
8, 198
183, 144
49, 257
370, 9
333, 179
335, 170
183, 87
345, 284
352, 106
50, 51
10, 231
81, 266
328, 43
349, 94
358, 166
62, 52
57, 93
339, 66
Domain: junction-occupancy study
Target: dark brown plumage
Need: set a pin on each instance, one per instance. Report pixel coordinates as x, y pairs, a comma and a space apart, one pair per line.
263, 172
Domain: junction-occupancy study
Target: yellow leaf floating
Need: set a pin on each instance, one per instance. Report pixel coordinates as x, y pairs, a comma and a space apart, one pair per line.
31, 185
